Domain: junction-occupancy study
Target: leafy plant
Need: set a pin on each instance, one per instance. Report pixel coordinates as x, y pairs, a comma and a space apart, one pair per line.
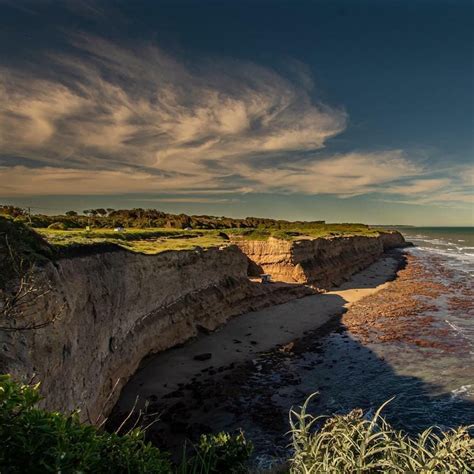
33, 440
36, 441
351, 443
218, 453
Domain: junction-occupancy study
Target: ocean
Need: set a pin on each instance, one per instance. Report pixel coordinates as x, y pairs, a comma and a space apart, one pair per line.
454, 244
426, 363
432, 381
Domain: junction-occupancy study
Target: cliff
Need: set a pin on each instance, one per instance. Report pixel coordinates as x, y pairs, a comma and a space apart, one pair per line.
322, 262
116, 307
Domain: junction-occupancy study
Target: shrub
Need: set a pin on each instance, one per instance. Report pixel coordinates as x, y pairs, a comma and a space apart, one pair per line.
36, 441
33, 440
350, 443
220, 453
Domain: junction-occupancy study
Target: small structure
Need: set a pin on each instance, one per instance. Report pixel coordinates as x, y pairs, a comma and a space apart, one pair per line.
119, 229
188, 228
266, 278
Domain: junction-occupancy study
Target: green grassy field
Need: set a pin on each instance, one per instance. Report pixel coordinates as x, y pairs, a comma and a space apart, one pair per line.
155, 240
149, 241
312, 232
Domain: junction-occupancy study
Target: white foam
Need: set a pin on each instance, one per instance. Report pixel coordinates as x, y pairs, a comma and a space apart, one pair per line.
462, 390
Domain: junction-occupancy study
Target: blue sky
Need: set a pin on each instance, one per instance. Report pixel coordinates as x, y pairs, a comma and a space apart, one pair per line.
337, 110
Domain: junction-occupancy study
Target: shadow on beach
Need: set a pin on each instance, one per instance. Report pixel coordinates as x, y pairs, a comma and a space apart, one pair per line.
256, 392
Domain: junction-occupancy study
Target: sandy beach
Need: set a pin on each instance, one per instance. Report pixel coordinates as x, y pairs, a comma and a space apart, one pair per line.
249, 334
162, 377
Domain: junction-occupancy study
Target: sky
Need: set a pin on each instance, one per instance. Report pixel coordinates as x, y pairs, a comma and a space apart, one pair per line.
347, 111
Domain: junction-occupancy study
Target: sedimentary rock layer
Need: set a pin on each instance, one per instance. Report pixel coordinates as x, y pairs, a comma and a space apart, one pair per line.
115, 307
322, 262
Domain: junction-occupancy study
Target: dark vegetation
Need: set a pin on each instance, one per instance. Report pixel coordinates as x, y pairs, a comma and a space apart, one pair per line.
21, 251
33, 440
146, 218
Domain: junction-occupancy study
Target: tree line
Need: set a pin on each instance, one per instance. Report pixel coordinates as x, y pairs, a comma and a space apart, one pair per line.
145, 218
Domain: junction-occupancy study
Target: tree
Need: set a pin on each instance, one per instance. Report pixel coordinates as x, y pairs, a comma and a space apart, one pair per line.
101, 212
71, 213
12, 211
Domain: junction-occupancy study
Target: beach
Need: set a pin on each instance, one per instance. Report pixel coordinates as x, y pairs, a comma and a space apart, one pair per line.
378, 335
222, 357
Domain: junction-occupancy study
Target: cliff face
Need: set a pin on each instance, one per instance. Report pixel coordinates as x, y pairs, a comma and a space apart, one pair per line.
322, 262
116, 307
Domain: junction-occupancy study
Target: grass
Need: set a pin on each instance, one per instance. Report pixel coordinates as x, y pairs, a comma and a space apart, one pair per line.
34, 440
148, 241
156, 240
352, 443
305, 232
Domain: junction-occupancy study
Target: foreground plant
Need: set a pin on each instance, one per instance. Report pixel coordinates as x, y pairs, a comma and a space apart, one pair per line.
351, 443
221, 453
33, 440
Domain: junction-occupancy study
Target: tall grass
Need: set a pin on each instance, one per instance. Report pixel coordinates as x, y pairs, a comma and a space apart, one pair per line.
352, 444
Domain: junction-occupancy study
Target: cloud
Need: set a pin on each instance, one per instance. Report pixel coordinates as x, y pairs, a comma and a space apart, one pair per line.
110, 107
114, 120
418, 186
454, 190
343, 175
191, 199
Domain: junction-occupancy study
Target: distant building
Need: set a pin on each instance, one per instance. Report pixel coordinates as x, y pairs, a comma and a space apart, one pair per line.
188, 228
119, 229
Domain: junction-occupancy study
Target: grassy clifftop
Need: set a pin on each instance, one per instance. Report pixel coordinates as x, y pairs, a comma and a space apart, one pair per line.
152, 241
151, 231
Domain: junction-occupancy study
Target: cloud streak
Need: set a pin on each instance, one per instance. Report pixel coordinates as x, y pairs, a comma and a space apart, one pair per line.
110, 120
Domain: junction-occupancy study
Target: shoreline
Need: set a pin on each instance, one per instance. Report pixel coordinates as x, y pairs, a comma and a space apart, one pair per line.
237, 345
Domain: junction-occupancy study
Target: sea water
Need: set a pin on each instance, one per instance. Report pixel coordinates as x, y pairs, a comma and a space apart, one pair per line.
428, 385
431, 385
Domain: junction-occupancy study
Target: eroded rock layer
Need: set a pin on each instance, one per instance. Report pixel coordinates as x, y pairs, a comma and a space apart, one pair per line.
323, 262
115, 307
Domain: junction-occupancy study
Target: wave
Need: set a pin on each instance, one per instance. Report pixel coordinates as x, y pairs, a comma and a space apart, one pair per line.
463, 390
457, 253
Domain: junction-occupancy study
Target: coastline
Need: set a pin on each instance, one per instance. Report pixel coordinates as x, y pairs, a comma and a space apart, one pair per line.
233, 351
379, 335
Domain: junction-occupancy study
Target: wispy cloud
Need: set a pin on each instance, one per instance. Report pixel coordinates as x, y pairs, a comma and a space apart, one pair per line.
114, 120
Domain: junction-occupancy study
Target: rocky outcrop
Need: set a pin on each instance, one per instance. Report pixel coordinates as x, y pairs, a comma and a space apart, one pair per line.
116, 307
322, 262
393, 239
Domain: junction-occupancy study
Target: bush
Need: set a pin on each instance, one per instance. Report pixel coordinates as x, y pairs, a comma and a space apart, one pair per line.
350, 443
33, 440
220, 453
36, 441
